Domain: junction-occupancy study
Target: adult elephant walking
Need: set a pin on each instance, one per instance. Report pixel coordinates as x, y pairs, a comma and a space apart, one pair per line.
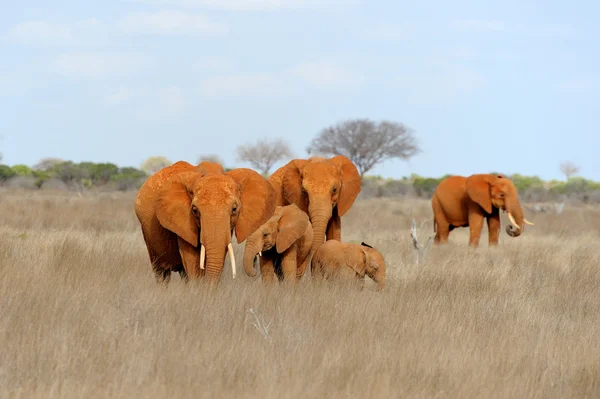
323, 188
460, 201
187, 214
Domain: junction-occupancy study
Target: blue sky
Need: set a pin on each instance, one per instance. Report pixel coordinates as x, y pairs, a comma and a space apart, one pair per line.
509, 86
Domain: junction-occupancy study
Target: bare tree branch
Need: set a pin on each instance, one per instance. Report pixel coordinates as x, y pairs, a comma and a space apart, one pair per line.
569, 169
365, 142
264, 154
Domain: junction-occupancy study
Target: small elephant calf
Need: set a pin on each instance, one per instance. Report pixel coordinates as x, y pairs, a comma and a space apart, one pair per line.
283, 243
334, 259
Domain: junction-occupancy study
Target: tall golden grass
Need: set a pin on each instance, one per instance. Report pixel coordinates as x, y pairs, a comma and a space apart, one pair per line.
83, 317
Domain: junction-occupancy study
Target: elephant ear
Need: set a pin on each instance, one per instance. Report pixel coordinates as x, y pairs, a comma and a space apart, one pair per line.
258, 201
291, 183
173, 206
351, 183
356, 259
292, 225
478, 189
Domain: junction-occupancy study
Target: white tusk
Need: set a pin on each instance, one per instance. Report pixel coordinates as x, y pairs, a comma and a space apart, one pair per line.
512, 220
230, 250
259, 253
528, 222
202, 256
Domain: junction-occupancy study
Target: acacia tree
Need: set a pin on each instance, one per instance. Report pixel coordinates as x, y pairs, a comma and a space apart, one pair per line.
365, 142
568, 169
264, 153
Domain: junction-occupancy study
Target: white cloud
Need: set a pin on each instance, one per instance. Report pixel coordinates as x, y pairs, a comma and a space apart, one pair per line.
95, 64
84, 32
254, 5
171, 23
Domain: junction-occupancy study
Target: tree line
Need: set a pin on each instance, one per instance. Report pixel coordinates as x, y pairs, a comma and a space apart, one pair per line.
365, 142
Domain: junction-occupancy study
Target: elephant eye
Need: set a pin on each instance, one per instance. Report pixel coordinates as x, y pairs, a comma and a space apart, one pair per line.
265, 234
234, 209
334, 190
194, 210
501, 195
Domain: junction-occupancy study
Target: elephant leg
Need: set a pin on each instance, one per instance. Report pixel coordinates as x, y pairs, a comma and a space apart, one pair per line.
301, 269
493, 222
289, 265
476, 218
162, 275
191, 259
442, 232
334, 227
441, 224
183, 274
267, 269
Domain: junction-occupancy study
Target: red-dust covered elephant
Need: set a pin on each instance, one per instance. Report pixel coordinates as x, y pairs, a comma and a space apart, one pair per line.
460, 201
188, 213
324, 188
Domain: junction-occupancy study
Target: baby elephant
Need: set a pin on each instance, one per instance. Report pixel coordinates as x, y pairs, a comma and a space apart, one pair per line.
335, 259
283, 243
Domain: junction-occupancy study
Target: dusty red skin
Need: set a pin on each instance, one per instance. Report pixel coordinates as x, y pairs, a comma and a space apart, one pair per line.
460, 201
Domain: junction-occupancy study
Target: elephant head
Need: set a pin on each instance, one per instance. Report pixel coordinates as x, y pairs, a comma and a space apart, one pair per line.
323, 188
367, 260
495, 190
204, 209
283, 229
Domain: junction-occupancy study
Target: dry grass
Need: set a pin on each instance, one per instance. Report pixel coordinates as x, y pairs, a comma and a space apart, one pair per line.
82, 316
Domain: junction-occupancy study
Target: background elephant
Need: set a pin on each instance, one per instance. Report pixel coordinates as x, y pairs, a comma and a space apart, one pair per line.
284, 243
335, 259
187, 214
460, 201
323, 188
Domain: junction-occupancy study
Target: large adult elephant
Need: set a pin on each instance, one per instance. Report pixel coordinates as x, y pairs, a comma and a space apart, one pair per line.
187, 214
323, 188
460, 201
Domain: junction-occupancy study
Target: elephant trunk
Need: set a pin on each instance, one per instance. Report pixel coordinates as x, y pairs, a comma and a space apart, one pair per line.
517, 220
319, 214
253, 247
217, 241
379, 278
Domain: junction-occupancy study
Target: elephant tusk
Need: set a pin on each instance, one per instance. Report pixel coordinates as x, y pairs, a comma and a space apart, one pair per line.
202, 255
512, 220
230, 250
528, 222
259, 253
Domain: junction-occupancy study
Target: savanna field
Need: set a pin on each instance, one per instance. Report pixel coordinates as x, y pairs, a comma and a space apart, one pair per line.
82, 315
